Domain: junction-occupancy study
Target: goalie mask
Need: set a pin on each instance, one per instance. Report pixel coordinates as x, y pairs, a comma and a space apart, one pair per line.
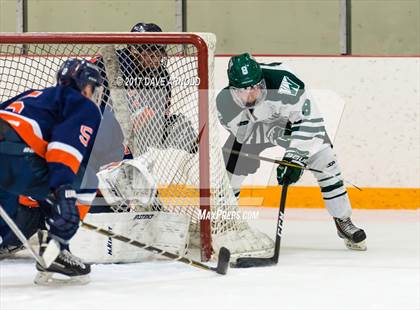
149, 55
246, 82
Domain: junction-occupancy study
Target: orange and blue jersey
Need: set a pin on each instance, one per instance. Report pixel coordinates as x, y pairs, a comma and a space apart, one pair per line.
59, 124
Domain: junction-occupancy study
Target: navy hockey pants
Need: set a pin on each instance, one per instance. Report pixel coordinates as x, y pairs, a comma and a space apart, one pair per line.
21, 173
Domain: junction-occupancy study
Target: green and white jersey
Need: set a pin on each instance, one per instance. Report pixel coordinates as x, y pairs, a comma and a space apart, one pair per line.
287, 117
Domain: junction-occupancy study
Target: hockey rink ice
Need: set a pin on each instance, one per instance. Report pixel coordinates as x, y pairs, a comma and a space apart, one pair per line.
315, 271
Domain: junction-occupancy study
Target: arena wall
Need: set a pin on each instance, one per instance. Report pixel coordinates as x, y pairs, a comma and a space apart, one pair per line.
263, 26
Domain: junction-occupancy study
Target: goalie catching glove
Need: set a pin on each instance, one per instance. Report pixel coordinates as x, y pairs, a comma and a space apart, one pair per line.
287, 175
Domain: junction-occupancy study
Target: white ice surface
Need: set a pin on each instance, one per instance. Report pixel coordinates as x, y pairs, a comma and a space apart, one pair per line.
315, 271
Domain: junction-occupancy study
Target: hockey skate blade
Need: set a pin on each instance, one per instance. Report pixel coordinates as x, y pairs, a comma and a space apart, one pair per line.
51, 252
250, 262
223, 262
46, 278
360, 246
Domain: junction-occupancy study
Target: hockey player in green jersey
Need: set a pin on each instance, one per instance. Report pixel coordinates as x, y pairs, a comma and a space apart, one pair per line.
265, 105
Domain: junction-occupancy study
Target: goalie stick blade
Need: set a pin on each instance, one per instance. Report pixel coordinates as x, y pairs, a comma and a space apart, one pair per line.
223, 262
249, 262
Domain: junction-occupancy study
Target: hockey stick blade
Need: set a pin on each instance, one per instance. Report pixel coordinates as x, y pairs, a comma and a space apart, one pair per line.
223, 261
249, 262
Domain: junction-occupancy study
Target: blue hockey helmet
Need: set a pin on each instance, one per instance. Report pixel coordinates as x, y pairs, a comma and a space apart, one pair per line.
78, 73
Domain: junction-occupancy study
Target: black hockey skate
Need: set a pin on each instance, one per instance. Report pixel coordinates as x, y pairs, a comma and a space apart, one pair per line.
354, 237
65, 269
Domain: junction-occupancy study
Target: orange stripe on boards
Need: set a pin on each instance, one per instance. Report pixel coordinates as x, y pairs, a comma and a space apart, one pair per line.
310, 197
26, 132
179, 195
59, 156
386, 198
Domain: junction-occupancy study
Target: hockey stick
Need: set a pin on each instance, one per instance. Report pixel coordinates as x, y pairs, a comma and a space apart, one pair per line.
222, 263
246, 262
21, 237
282, 162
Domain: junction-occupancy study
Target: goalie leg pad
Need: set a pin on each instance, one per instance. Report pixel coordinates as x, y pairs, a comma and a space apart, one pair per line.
166, 231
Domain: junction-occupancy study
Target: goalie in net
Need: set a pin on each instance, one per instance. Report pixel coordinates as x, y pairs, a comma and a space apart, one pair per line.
159, 119
138, 90
166, 136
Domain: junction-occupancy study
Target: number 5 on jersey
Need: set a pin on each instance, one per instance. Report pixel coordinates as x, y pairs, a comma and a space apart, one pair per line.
85, 134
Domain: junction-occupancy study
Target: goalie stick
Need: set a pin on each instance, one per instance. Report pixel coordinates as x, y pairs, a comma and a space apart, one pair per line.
247, 262
282, 162
222, 263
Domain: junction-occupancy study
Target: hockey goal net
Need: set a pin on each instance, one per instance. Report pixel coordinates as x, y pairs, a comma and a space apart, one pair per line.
167, 113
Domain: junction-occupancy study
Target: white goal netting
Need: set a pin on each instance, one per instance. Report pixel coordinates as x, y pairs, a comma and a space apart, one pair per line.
157, 103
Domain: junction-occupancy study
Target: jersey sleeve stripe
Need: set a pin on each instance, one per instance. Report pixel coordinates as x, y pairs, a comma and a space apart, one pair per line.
65, 148
62, 157
36, 129
28, 130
